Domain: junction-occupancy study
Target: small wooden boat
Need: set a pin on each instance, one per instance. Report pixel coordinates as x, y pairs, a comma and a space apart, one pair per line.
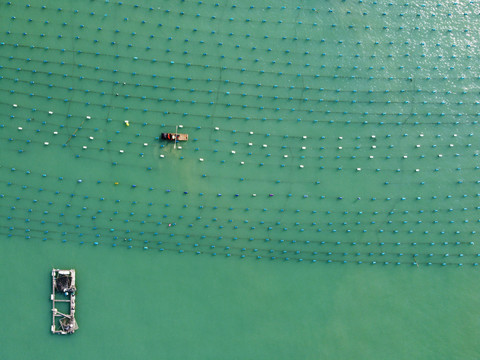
174, 137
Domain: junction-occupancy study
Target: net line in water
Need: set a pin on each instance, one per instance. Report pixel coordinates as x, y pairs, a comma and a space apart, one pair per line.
336, 74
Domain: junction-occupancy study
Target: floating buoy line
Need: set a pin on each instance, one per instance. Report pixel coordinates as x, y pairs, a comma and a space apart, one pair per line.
412, 259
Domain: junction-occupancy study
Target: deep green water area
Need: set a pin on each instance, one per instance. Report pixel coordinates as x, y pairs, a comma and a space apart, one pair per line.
325, 206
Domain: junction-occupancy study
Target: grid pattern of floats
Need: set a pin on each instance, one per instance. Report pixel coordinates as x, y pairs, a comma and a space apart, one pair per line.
337, 132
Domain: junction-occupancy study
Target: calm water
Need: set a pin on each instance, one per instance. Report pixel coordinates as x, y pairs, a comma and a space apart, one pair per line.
136, 304
325, 205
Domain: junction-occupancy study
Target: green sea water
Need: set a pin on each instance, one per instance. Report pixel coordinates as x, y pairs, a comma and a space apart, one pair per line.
132, 305
324, 207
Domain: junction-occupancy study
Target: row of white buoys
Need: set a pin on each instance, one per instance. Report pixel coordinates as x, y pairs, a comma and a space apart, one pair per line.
265, 145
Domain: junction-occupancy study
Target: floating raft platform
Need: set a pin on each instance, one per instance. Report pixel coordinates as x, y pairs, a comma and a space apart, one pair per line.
63, 291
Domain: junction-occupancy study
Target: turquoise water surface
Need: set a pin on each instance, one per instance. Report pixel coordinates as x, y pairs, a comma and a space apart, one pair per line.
324, 206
